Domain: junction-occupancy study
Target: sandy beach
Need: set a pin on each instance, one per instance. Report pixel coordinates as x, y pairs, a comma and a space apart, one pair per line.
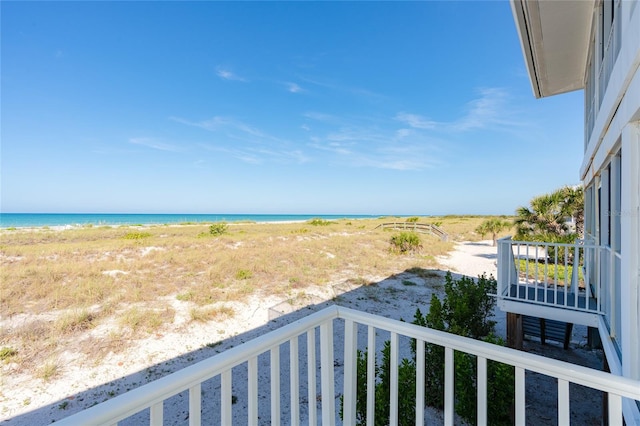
81, 384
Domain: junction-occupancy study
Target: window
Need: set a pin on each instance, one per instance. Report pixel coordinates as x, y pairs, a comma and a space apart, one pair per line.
616, 207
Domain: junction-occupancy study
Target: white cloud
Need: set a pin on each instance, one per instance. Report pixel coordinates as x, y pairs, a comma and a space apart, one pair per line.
252, 155
319, 116
224, 124
372, 147
403, 133
294, 88
415, 121
490, 110
245, 142
227, 74
357, 91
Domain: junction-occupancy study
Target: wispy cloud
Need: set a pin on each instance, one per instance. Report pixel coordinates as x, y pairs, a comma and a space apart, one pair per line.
227, 125
373, 147
226, 74
487, 110
245, 142
294, 88
353, 90
154, 144
252, 155
415, 121
405, 141
490, 110
322, 117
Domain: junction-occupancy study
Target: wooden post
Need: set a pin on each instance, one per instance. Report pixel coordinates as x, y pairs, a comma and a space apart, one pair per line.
514, 330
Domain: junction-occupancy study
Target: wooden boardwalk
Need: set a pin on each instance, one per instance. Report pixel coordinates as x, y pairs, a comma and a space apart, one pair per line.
424, 228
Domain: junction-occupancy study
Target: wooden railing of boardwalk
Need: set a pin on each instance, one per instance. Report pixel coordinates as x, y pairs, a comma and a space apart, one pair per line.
425, 228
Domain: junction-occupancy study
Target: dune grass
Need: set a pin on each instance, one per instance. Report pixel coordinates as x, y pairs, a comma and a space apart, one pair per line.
64, 284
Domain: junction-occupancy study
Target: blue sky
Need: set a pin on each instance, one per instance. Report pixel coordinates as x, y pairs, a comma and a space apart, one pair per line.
275, 107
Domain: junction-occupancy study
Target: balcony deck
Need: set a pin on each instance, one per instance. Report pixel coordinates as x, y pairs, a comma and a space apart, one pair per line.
539, 279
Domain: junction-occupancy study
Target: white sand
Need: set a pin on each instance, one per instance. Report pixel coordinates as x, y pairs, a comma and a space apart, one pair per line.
27, 401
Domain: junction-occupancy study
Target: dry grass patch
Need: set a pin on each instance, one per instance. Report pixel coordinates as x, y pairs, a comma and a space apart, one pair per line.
49, 370
148, 320
75, 321
211, 313
127, 280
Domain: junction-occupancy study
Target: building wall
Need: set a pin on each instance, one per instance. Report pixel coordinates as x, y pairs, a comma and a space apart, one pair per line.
611, 171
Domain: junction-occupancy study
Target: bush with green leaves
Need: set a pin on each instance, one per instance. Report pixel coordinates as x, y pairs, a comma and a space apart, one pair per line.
405, 242
218, 229
243, 274
382, 390
8, 352
319, 222
136, 235
464, 310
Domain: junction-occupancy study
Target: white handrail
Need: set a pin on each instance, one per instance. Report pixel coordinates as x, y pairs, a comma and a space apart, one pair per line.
136, 400
154, 393
560, 369
526, 273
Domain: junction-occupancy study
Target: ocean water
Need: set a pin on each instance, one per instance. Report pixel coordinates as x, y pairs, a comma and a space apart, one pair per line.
22, 220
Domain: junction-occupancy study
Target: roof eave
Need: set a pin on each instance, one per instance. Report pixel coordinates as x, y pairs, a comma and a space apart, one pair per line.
554, 37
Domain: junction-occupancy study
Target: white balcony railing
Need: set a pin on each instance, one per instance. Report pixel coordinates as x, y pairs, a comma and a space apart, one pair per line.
285, 382
567, 276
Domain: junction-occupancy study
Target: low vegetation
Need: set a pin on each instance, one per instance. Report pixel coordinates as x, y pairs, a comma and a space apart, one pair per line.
218, 229
549, 273
464, 310
405, 242
136, 235
493, 226
319, 222
135, 280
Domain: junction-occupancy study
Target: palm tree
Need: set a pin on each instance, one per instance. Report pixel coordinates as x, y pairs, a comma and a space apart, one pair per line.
548, 215
493, 226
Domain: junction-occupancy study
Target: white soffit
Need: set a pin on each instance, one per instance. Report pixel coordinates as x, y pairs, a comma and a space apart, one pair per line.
554, 35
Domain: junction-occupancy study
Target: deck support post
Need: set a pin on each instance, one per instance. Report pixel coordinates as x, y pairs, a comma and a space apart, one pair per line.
514, 330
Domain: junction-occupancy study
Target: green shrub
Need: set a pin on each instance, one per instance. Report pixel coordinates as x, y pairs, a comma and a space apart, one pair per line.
185, 297
7, 352
136, 235
382, 390
243, 274
405, 242
468, 304
413, 219
218, 229
500, 387
319, 222
465, 310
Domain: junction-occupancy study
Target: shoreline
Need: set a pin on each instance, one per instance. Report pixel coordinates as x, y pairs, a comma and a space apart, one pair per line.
175, 219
